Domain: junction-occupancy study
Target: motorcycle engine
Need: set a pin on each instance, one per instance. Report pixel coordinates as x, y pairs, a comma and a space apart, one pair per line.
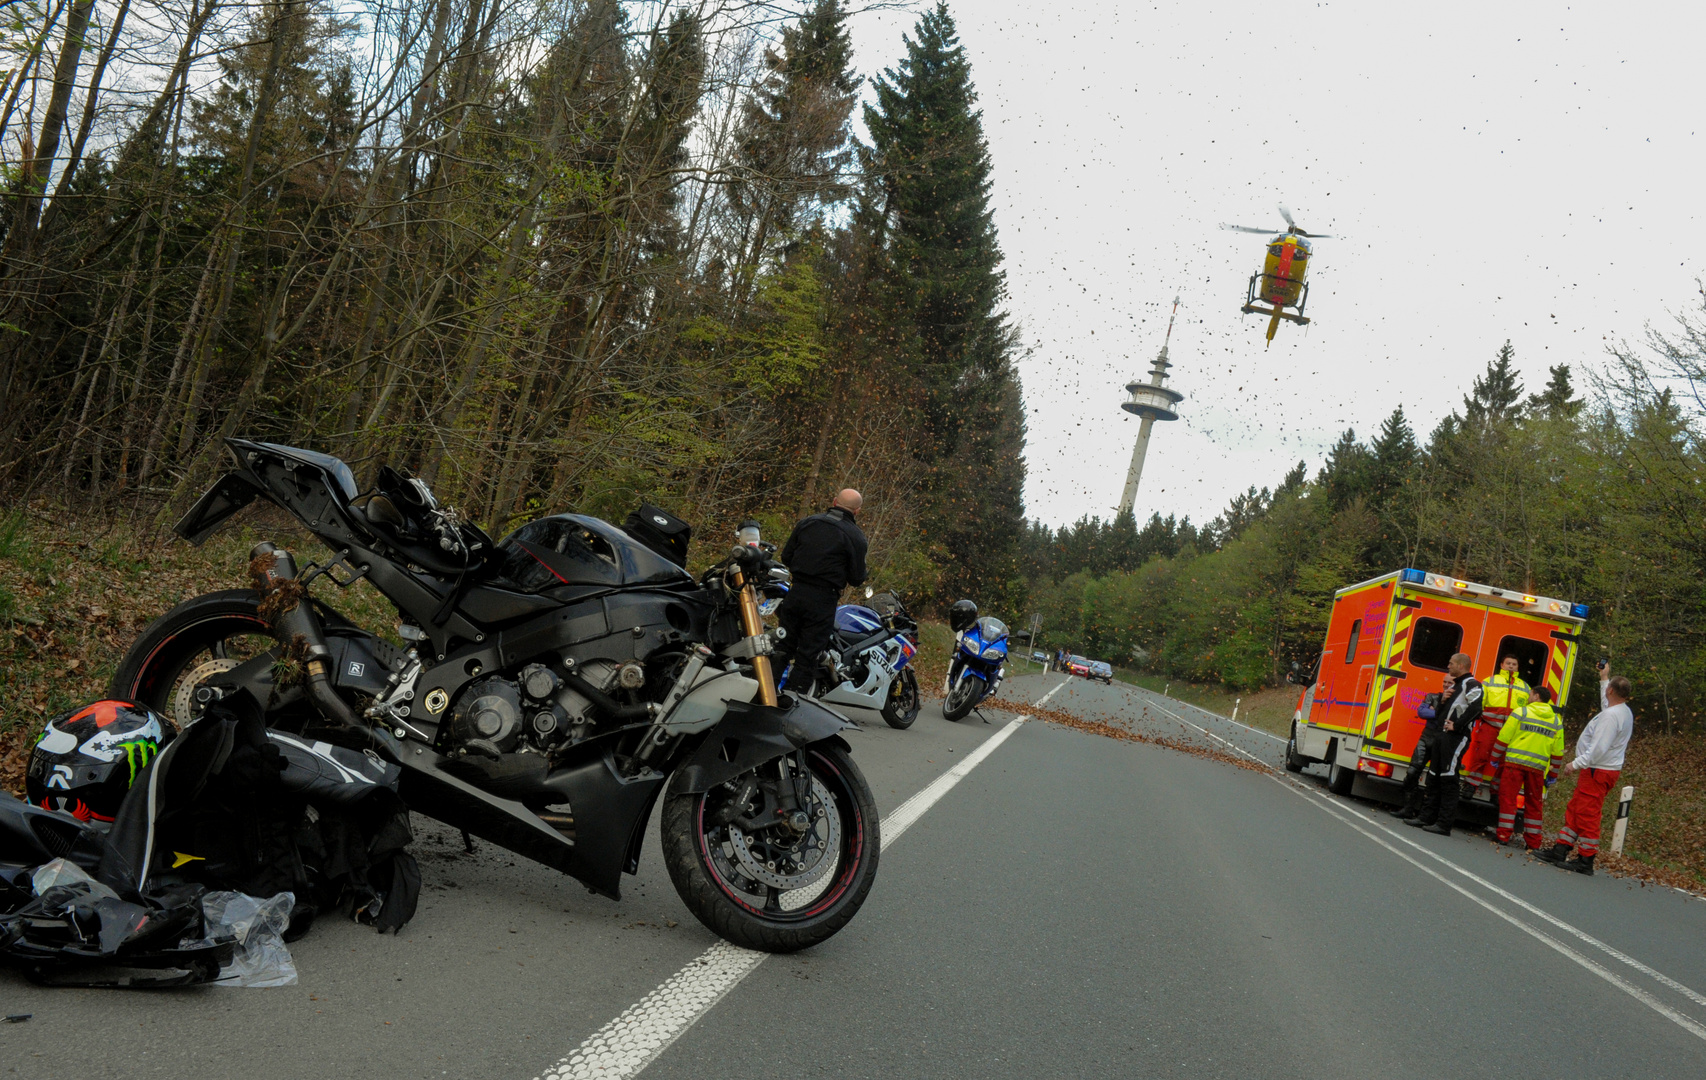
488, 715
534, 711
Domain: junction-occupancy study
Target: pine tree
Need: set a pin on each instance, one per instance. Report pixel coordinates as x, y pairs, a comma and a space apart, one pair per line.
1496, 393
794, 140
1345, 476
1393, 458
1557, 401
942, 283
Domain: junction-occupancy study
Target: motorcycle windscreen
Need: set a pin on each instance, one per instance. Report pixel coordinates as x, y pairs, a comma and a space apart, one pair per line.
991, 629
853, 619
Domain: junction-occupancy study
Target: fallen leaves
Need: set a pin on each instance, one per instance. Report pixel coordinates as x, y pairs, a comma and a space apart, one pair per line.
1124, 731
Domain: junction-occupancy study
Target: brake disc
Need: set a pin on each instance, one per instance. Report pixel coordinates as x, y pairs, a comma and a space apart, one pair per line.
183, 697
801, 863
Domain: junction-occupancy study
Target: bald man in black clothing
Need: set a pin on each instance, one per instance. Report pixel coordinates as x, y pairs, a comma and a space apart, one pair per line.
825, 554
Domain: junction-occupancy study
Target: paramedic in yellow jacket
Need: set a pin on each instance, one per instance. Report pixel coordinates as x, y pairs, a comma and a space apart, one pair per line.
1527, 755
1501, 695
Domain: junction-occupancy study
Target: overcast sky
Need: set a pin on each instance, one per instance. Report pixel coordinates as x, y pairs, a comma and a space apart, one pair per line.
1492, 171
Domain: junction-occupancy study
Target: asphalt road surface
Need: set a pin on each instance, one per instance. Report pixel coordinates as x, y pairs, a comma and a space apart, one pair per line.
1070, 906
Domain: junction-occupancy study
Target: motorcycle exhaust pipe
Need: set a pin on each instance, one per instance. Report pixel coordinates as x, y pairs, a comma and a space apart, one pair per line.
285, 606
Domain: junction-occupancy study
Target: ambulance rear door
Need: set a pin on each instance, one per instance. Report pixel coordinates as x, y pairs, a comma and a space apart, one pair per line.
1424, 632
1545, 649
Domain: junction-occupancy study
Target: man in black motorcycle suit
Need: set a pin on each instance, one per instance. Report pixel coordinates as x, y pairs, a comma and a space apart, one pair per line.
825, 553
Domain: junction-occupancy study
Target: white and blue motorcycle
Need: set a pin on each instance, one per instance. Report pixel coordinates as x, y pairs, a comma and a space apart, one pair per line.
869, 660
979, 663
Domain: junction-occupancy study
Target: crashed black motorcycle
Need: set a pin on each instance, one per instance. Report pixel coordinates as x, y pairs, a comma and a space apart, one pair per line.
552, 688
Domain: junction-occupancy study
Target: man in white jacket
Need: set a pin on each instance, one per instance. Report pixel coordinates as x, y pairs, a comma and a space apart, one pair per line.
1598, 761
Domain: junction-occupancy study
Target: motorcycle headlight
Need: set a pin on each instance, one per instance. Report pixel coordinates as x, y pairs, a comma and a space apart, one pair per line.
993, 653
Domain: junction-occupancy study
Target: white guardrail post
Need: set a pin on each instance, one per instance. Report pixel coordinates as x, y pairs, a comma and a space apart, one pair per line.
1621, 829
1235, 703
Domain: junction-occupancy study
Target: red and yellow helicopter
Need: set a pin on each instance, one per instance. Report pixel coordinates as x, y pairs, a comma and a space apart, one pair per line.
1281, 280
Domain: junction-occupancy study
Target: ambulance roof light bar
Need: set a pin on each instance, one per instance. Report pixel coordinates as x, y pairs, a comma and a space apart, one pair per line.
1412, 576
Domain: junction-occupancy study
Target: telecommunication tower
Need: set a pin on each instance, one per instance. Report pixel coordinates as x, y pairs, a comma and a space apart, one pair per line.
1153, 402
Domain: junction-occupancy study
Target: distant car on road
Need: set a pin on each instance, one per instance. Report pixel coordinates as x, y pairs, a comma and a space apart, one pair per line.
1077, 665
1039, 656
1101, 670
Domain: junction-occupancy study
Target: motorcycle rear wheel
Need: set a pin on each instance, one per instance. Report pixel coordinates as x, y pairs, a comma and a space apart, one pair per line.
901, 709
962, 699
183, 648
705, 861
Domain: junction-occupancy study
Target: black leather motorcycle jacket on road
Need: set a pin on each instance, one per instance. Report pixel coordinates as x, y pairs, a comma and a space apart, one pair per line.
826, 550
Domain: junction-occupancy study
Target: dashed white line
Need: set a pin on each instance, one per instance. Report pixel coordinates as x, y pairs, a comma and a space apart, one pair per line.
1217, 716
626, 1045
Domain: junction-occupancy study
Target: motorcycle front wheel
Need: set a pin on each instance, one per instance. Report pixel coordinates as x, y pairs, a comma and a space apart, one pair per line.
782, 887
963, 698
901, 709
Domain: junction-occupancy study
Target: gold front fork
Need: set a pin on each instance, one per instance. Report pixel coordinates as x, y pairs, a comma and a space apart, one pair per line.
753, 626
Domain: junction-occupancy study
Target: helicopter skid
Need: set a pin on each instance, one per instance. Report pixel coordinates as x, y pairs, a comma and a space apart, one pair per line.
1257, 309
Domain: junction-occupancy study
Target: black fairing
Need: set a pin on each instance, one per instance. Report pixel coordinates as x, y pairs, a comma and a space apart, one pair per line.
571, 549
496, 801
751, 734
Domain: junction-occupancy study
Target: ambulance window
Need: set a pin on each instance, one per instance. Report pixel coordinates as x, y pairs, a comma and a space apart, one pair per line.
1351, 647
1530, 656
1433, 642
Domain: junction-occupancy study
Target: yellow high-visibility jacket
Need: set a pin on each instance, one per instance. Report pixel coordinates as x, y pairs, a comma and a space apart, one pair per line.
1532, 737
1503, 694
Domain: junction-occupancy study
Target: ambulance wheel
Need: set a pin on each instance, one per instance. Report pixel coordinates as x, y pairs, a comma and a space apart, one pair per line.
1340, 780
1293, 760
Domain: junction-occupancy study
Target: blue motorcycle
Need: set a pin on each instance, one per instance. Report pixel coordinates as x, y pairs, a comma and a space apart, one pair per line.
980, 659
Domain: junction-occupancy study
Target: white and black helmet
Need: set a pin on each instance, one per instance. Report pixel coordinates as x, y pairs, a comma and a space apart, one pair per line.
86, 760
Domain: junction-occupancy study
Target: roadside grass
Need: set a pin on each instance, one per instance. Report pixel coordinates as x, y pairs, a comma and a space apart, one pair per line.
75, 592
1667, 821
935, 646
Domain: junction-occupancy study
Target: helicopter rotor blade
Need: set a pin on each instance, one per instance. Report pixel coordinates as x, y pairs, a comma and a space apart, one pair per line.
1248, 229
1315, 235
1285, 212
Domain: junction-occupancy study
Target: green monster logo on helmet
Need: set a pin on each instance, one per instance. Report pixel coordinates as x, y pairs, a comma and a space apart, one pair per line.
138, 754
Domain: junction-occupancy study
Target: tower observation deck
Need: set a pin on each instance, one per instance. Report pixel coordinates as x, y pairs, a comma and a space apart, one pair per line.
1152, 402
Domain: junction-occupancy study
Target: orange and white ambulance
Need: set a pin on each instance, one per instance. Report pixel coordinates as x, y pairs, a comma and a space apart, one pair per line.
1388, 642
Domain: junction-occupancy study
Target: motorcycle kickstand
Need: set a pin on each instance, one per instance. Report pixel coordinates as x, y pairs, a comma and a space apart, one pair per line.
979, 713
467, 843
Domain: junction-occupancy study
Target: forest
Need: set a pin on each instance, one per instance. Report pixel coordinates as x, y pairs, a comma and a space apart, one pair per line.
548, 256
571, 256
1599, 500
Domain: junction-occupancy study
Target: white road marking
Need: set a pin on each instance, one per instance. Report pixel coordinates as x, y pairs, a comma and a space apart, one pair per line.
1044, 699
1217, 716
1586, 938
1633, 991
1345, 812
913, 809
632, 1041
